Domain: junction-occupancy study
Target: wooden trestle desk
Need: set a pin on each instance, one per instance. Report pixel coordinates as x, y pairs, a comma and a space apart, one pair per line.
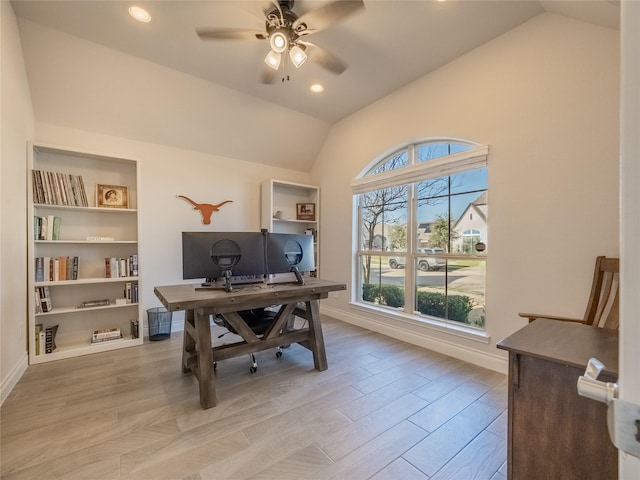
198, 355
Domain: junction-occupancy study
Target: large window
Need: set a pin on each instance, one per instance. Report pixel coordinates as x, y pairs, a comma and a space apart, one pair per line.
422, 232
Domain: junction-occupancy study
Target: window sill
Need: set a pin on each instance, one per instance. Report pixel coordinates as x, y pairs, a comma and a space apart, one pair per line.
424, 323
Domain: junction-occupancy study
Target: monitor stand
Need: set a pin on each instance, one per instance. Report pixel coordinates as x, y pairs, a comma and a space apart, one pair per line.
299, 277
209, 283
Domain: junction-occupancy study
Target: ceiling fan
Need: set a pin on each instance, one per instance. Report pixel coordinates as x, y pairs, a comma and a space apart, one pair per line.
287, 32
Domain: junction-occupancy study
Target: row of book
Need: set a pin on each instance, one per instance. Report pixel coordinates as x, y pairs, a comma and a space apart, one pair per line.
47, 227
55, 188
131, 292
45, 339
55, 269
121, 267
43, 300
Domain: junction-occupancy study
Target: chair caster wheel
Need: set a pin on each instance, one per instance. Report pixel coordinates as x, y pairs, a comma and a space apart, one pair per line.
278, 354
215, 365
253, 369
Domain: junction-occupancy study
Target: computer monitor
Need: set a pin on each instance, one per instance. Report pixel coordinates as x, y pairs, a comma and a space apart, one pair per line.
287, 252
229, 255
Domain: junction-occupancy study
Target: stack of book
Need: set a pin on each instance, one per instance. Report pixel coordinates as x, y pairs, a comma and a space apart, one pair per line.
47, 227
42, 298
45, 339
121, 267
94, 303
106, 335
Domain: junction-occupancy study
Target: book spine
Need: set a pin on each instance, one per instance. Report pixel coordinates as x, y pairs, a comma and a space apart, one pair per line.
45, 301
37, 225
76, 267
134, 329
39, 269
56, 269
42, 340
113, 261
103, 340
37, 300
48, 341
55, 229
134, 265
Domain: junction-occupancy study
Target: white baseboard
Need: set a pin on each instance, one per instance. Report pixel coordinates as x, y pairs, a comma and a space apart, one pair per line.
12, 379
492, 362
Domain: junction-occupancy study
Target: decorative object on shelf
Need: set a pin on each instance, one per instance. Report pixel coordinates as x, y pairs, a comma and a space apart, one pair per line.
112, 196
306, 211
50, 338
94, 303
206, 209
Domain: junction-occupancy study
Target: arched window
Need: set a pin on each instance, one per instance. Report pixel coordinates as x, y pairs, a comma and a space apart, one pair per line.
422, 213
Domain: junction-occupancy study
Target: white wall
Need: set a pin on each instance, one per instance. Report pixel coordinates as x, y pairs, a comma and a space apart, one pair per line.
16, 126
544, 97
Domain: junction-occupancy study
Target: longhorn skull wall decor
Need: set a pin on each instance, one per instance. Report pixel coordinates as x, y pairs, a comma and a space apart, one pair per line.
206, 209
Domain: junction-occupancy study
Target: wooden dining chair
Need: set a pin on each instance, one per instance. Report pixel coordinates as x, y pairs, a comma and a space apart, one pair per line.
602, 307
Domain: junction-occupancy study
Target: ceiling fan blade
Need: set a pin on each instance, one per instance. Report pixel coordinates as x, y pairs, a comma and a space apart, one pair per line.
227, 34
325, 58
324, 17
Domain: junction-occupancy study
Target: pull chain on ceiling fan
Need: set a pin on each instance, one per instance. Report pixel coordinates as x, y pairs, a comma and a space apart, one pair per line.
285, 31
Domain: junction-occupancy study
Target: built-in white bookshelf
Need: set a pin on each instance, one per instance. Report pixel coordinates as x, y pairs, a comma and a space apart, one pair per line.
280, 210
90, 230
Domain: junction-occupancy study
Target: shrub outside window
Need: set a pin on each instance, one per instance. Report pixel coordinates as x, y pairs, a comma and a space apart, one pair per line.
422, 232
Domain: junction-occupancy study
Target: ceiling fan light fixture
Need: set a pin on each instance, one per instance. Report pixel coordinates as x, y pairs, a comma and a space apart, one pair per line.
297, 55
273, 59
279, 42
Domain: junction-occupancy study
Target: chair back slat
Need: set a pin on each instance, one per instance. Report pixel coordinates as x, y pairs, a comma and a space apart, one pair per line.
602, 308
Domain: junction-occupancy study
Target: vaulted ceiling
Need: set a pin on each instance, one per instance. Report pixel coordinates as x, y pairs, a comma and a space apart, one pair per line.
387, 44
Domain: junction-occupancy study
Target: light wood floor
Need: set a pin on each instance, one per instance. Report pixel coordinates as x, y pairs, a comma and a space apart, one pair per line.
383, 410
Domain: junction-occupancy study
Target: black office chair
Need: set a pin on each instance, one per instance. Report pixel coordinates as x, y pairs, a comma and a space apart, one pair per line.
259, 320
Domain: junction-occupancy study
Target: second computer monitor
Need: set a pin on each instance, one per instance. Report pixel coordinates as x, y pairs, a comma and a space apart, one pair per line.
287, 252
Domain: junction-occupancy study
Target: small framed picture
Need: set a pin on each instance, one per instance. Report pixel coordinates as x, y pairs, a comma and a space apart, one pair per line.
306, 211
112, 196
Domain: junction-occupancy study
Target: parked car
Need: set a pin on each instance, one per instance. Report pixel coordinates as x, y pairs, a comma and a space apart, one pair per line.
424, 263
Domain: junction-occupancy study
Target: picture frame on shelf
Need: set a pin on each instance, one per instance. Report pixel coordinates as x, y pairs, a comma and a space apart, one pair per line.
112, 196
306, 211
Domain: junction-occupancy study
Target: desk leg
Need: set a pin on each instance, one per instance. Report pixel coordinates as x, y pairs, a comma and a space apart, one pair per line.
205, 360
315, 332
188, 341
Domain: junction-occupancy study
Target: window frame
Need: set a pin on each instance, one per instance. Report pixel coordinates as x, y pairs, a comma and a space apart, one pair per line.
475, 157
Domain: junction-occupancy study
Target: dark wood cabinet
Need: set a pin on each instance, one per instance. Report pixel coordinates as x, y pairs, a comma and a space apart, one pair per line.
553, 432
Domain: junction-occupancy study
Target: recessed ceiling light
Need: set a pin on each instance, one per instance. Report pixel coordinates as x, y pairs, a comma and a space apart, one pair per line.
316, 88
140, 14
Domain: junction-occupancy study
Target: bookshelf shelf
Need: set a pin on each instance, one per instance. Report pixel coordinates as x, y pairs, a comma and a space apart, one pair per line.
84, 281
82, 348
85, 242
47, 206
84, 239
64, 310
